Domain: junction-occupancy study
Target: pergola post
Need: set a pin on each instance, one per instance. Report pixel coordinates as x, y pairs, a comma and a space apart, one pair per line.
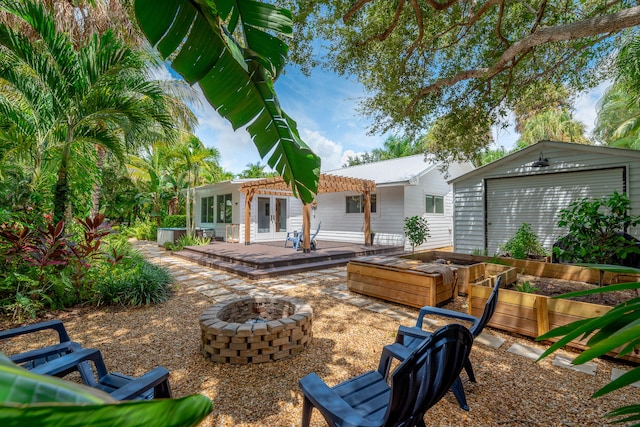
367, 217
306, 228
247, 215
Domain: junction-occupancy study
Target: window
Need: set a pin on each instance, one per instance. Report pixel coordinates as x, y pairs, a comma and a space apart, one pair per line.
206, 214
225, 209
355, 204
434, 204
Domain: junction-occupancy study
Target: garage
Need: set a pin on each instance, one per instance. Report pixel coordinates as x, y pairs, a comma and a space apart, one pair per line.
532, 185
537, 200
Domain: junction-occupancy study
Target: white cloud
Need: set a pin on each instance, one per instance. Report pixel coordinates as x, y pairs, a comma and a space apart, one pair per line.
585, 105
329, 151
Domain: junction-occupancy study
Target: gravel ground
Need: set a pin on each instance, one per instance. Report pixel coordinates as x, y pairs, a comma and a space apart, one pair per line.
511, 390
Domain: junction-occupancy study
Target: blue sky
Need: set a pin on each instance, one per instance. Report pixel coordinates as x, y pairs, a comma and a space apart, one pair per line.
325, 107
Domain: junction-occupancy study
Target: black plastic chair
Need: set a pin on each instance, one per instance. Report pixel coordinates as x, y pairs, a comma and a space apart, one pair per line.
152, 385
411, 337
418, 383
33, 358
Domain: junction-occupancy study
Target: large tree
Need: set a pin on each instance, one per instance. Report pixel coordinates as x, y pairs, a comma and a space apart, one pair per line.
462, 64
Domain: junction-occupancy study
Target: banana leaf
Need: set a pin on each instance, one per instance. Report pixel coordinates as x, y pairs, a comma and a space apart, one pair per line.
232, 50
31, 399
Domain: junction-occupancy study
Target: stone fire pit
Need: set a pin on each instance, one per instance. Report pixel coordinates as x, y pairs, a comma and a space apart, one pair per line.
255, 329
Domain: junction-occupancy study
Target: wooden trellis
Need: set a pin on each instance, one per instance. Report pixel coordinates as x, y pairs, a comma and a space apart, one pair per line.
327, 183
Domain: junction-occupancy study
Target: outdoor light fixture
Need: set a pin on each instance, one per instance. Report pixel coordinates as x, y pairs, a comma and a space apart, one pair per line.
541, 162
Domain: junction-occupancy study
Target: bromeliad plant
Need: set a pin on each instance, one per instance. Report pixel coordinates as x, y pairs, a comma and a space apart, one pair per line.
618, 328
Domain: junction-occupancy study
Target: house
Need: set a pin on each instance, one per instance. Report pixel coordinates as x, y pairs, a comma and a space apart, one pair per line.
403, 187
531, 186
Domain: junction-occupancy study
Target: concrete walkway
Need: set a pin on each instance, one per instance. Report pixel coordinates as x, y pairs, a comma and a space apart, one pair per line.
221, 286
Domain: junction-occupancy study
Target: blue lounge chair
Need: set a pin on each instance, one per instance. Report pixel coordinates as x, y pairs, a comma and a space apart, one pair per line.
401, 399
411, 337
33, 358
152, 385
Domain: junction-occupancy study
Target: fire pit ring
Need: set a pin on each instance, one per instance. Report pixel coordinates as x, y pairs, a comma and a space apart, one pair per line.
255, 329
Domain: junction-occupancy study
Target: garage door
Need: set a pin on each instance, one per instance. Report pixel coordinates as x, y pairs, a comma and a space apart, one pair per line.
538, 199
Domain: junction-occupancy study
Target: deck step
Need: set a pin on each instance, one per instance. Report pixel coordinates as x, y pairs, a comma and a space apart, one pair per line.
259, 273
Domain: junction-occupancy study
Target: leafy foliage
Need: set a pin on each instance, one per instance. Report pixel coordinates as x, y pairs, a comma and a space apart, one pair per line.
232, 50
596, 230
618, 328
460, 66
416, 229
174, 221
524, 244
132, 282
525, 287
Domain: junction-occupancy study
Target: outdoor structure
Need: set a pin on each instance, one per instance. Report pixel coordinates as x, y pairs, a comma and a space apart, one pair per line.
532, 185
265, 209
405, 187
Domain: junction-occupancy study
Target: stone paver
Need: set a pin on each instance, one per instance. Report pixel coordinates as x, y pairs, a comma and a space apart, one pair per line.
565, 362
490, 340
617, 373
525, 351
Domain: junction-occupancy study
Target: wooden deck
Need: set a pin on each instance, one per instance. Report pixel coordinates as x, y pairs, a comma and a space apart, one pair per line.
272, 259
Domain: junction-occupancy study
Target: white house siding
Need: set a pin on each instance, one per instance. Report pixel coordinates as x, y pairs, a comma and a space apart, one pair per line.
440, 225
469, 190
339, 226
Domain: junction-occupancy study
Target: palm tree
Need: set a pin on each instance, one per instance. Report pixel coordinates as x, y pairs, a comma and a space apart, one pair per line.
191, 156
554, 124
255, 170
618, 120
61, 98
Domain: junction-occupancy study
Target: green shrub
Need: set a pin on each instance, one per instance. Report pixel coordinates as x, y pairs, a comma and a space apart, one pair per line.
172, 221
524, 244
186, 240
132, 282
143, 230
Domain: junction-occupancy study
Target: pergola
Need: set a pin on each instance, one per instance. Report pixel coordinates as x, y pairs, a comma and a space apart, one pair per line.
326, 184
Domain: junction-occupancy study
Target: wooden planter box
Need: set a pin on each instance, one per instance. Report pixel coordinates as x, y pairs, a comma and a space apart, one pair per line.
402, 282
470, 270
533, 315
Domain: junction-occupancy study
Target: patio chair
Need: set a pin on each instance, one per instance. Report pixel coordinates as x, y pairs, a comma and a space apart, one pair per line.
295, 237
152, 385
418, 383
411, 337
33, 358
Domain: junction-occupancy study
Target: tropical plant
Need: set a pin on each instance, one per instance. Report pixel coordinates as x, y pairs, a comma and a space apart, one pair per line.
255, 170
555, 124
596, 230
171, 221
524, 244
619, 327
132, 282
73, 101
232, 50
416, 229
31, 399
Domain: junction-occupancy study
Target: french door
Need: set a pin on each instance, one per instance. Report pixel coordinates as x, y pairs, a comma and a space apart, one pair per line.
272, 218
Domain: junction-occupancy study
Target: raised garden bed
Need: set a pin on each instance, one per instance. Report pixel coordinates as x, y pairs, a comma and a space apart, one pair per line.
416, 283
533, 315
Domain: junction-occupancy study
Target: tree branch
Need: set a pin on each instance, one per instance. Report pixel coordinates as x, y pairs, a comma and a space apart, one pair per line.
606, 24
